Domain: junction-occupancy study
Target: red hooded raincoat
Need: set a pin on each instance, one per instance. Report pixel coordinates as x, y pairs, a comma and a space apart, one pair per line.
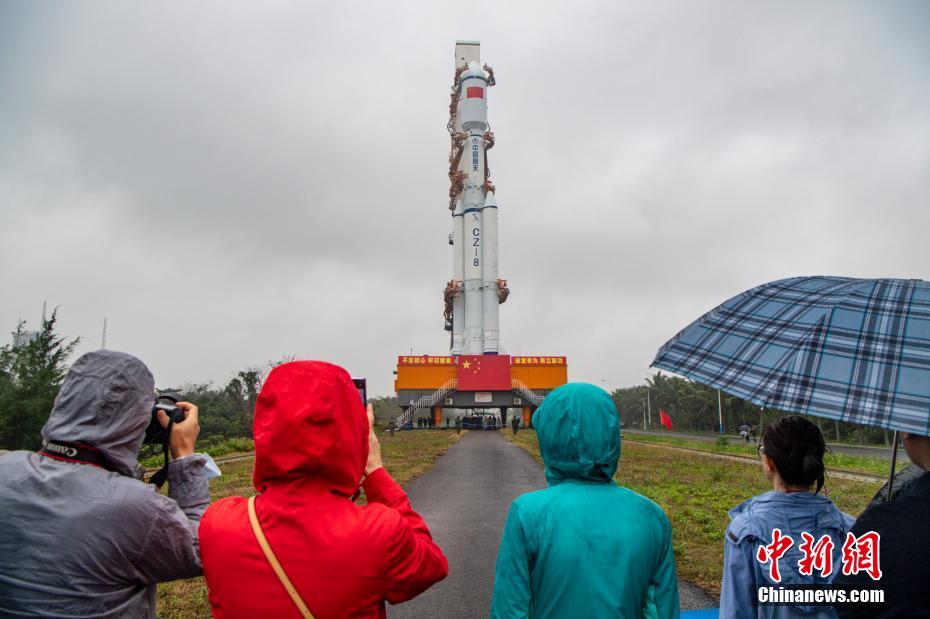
311, 445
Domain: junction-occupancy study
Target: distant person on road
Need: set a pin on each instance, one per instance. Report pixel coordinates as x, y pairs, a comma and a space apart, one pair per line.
791, 451
80, 534
314, 448
584, 546
903, 525
515, 423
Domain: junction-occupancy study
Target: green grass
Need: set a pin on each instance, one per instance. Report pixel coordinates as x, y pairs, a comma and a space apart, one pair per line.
696, 493
406, 455
214, 446
847, 462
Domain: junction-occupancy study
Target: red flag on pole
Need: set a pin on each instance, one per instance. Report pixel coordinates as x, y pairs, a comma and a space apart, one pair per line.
665, 419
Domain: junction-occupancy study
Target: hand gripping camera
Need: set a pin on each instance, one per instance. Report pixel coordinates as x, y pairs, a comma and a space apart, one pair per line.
155, 433
158, 435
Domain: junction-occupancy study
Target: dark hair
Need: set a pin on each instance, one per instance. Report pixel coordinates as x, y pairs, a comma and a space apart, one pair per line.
796, 447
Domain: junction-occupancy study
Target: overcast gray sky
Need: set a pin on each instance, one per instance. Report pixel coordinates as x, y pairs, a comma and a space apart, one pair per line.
233, 182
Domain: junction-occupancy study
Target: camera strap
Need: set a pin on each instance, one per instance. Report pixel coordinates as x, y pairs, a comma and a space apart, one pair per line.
161, 476
77, 453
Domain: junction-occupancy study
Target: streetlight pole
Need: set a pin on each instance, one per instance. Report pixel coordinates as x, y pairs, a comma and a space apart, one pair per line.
644, 413
649, 407
720, 411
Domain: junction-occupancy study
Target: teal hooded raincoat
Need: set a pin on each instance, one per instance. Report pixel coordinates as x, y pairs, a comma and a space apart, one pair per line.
584, 546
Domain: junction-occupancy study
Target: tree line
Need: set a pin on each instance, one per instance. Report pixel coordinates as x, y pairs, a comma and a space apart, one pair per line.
694, 407
34, 365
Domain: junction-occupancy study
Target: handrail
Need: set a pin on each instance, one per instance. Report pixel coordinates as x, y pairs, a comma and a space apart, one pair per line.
426, 401
526, 392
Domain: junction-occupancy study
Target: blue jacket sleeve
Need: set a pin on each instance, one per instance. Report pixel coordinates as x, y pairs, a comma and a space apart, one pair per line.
739, 578
663, 590
512, 595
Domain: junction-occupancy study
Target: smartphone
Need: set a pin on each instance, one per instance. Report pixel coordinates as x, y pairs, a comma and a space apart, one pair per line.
362, 389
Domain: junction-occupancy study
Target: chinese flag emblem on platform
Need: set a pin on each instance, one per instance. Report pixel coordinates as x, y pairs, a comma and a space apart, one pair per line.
484, 373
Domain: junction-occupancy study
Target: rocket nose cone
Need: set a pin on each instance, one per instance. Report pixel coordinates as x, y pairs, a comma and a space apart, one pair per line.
489, 199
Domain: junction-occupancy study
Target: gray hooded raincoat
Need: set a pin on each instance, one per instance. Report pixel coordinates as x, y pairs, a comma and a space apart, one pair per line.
77, 540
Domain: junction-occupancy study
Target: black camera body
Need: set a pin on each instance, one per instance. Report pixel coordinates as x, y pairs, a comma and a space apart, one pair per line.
155, 434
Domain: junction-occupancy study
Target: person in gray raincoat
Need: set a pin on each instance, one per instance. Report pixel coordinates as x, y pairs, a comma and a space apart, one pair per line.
84, 536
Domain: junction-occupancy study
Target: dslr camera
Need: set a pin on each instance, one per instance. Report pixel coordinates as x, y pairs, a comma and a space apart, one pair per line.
155, 434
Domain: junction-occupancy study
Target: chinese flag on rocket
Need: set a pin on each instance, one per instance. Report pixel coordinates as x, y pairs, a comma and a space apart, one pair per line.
665, 419
484, 373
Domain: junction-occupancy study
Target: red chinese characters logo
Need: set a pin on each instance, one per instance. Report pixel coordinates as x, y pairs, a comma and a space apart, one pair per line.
771, 553
817, 556
860, 554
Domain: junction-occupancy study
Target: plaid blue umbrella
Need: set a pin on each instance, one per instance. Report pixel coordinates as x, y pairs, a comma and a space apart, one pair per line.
855, 350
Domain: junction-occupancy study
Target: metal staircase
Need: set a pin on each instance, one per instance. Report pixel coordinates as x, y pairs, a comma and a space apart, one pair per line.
526, 392
428, 401
425, 402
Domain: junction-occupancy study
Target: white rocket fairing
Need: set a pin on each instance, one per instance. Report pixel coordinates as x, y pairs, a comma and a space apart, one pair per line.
473, 295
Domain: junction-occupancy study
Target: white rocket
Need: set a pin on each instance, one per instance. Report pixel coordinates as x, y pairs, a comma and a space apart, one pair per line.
473, 295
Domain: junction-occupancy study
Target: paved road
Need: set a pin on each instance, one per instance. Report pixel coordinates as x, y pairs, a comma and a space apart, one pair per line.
464, 498
871, 451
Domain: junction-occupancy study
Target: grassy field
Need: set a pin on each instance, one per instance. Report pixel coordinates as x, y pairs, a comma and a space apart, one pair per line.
406, 455
696, 493
847, 462
151, 455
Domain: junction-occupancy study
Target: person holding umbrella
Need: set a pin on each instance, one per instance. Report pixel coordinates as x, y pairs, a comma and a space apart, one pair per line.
744, 432
903, 526
848, 349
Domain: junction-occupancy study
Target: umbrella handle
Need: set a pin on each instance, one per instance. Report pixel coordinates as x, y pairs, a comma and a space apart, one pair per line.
894, 458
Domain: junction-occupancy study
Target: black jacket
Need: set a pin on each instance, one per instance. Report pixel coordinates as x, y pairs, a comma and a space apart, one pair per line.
904, 555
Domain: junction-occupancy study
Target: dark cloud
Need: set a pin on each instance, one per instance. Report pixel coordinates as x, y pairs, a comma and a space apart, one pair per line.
230, 184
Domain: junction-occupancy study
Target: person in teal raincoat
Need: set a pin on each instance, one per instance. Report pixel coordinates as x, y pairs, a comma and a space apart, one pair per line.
584, 546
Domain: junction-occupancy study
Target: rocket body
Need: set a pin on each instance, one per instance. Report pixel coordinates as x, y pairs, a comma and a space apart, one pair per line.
476, 288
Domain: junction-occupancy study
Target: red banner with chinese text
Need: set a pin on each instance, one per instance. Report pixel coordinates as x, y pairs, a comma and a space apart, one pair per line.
425, 360
538, 360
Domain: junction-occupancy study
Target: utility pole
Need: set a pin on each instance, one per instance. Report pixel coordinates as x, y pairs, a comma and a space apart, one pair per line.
649, 407
720, 411
103, 337
644, 413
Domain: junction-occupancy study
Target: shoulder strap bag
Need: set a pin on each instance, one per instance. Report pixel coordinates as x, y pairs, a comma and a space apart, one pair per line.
278, 570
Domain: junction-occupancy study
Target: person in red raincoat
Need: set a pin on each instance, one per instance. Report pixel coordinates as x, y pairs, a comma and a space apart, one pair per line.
313, 444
